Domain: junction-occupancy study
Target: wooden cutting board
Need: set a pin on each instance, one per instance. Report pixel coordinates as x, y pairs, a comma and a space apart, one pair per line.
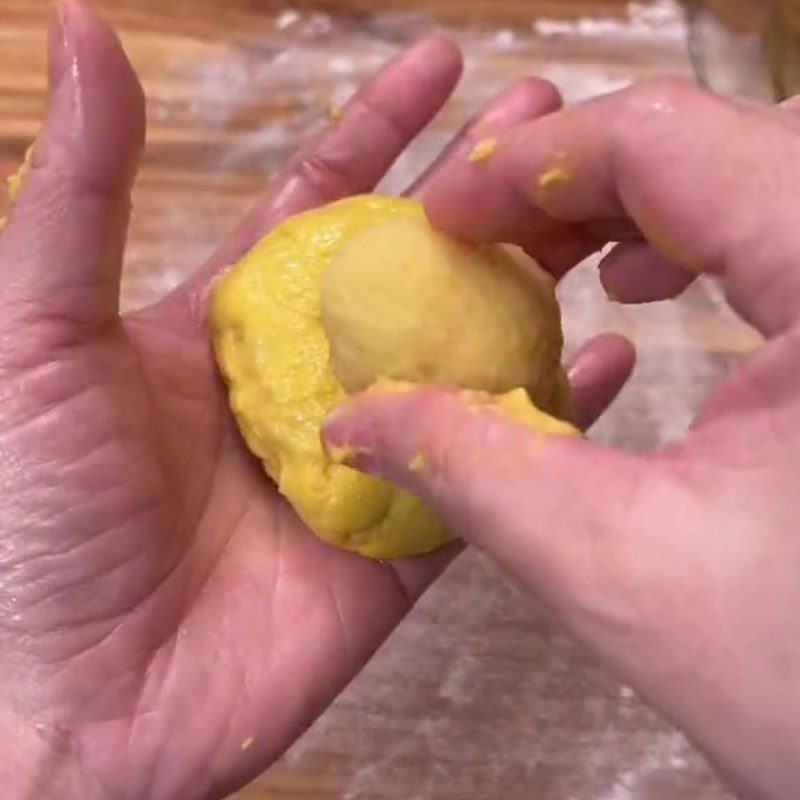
478, 696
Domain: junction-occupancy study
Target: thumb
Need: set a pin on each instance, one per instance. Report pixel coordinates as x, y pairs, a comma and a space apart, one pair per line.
61, 254
537, 501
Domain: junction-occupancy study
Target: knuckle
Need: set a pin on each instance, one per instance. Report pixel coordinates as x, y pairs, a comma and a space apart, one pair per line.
465, 445
381, 116
439, 435
450, 433
663, 94
324, 174
650, 111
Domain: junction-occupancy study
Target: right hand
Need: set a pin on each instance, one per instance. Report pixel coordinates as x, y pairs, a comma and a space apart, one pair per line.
682, 567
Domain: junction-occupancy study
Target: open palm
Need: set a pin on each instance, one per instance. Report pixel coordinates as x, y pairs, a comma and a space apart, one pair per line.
168, 625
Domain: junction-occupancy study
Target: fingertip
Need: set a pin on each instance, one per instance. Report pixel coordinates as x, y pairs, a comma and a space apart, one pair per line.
57, 51
633, 273
451, 182
353, 155
483, 200
436, 49
106, 100
341, 430
95, 125
66, 233
436, 56
597, 373
381, 410
472, 201
525, 100
539, 95
605, 351
104, 57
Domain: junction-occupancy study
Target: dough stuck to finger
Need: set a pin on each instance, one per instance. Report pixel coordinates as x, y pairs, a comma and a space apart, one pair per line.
358, 292
14, 185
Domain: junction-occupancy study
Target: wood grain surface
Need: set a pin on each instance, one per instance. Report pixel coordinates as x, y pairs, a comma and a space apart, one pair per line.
478, 695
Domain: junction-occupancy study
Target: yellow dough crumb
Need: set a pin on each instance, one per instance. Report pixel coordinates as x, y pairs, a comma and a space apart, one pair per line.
247, 743
346, 454
418, 463
560, 173
483, 151
364, 294
14, 183
336, 113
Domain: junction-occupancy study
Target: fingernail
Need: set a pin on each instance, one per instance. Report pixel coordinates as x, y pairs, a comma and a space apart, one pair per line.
430, 52
524, 101
347, 437
60, 47
510, 107
63, 75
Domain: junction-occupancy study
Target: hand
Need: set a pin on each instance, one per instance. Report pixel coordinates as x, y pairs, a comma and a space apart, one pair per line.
167, 625
681, 567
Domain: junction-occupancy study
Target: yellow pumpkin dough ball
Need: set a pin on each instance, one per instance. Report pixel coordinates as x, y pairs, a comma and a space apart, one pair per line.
361, 291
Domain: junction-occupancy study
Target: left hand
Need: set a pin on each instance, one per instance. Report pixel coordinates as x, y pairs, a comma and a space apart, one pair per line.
167, 624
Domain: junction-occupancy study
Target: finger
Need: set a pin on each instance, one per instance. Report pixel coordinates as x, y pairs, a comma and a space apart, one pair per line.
524, 101
557, 246
61, 254
417, 573
349, 157
639, 155
597, 373
632, 272
497, 484
375, 128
